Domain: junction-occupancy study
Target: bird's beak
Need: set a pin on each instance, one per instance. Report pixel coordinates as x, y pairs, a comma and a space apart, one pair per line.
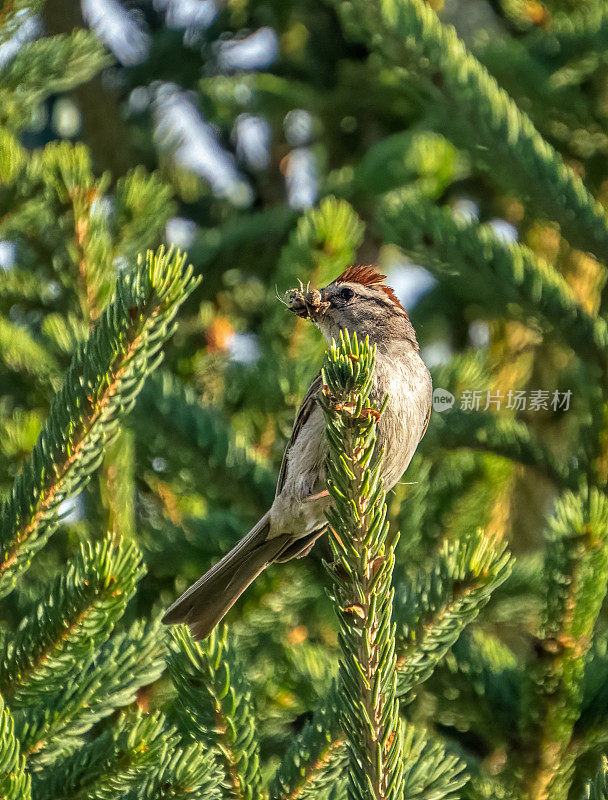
306, 305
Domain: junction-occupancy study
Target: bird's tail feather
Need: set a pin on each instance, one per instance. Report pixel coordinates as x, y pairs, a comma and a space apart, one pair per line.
205, 603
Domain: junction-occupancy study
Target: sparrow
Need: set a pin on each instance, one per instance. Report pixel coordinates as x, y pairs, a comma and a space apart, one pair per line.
360, 301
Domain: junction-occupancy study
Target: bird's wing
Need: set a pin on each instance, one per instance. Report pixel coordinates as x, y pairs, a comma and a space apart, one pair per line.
308, 403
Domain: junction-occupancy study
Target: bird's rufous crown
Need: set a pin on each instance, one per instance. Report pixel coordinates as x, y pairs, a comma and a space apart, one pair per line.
368, 275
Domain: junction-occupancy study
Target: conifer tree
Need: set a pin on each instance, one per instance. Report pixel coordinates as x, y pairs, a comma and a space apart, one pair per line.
122, 478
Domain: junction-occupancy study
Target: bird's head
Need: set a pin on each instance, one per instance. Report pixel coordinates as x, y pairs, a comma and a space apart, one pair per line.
358, 300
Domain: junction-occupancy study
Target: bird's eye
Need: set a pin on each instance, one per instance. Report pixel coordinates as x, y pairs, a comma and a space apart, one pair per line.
346, 294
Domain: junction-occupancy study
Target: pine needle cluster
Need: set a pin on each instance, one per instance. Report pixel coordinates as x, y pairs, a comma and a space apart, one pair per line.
143, 413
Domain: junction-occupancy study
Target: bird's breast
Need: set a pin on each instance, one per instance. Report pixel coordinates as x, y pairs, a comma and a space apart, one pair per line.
406, 380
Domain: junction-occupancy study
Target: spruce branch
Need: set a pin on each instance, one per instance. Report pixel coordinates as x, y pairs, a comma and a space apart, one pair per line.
324, 239
214, 703
22, 354
190, 539
65, 332
184, 773
420, 159
582, 30
503, 436
594, 706
316, 758
78, 614
429, 771
478, 115
271, 224
501, 276
47, 66
118, 763
597, 788
486, 787
206, 430
438, 491
551, 91
24, 287
118, 486
431, 610
66, 168
140, 756
143, 203
18, 432
361, 574
15, 783
480, 681
12, 167
576, 572
100, 387
109, 678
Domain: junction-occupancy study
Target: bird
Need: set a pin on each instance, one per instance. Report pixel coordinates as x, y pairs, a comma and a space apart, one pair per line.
360, 301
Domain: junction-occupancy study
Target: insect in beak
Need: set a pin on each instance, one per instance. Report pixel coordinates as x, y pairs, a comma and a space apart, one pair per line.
306, 303
296, 302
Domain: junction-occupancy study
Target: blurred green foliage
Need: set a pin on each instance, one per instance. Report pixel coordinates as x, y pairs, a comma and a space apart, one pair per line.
359, 131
